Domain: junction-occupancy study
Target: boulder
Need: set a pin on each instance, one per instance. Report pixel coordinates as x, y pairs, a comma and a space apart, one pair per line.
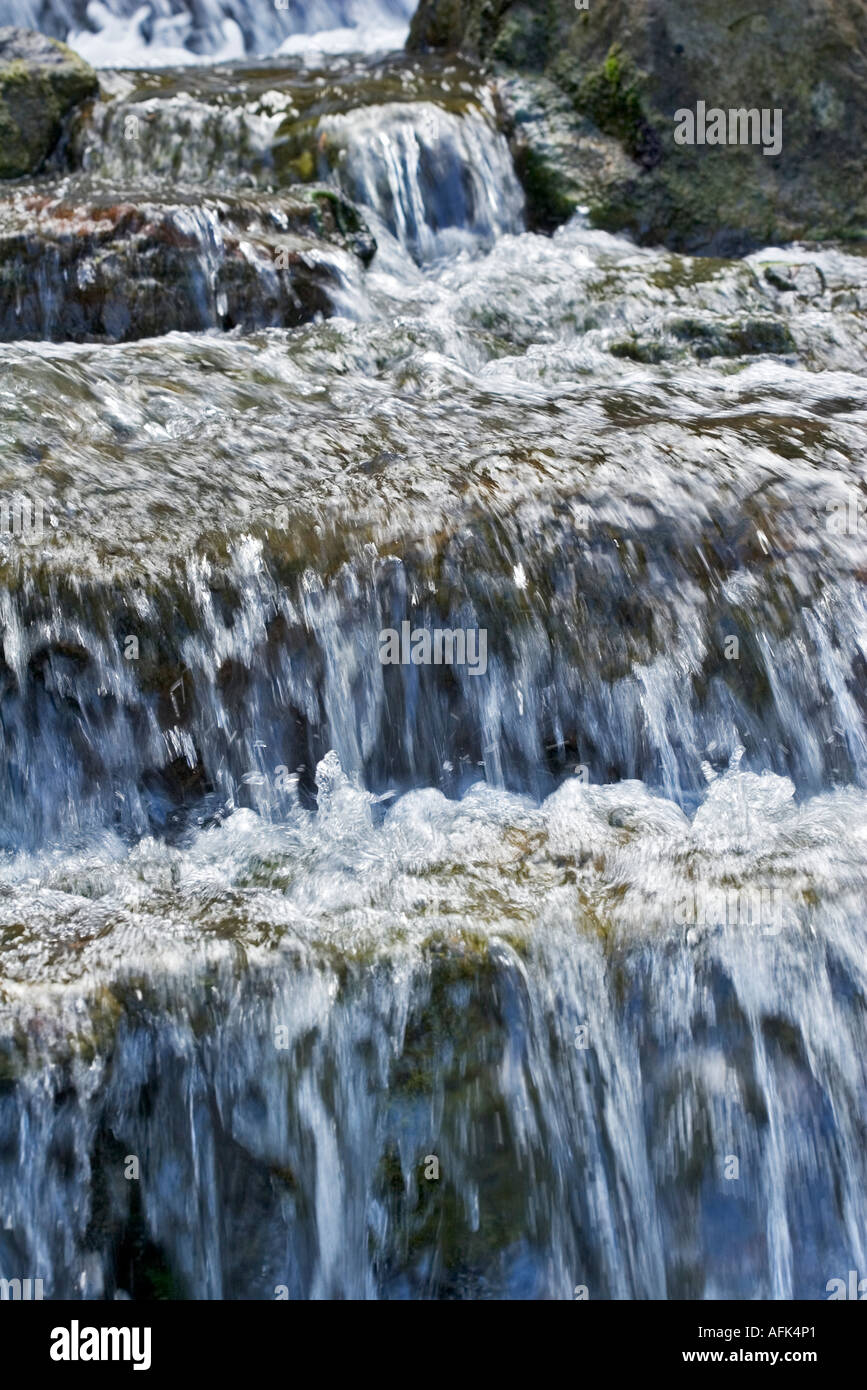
592, 118
41, 80
100, 270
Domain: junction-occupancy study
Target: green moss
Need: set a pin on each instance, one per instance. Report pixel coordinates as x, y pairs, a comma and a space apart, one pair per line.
294, 151
304, 166
750, 337
16, 74
336, 215
522, 40
685, 274
638, 350
611, 95
34, 98
548, 202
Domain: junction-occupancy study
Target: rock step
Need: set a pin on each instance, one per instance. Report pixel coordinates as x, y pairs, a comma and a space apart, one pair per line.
100, 269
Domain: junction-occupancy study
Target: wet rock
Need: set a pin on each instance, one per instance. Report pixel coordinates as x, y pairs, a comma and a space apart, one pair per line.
340, 220
740, 338
618, 73
807, 281
41, 81
101, 270
564, 162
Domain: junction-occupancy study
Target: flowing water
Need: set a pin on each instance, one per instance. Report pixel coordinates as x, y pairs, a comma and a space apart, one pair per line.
153, 33
418, 980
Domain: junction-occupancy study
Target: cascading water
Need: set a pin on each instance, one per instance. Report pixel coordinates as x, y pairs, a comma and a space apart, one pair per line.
152, 33
406, 980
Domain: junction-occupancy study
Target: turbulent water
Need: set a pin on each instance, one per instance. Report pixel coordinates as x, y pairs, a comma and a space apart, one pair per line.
407, 981
151, 33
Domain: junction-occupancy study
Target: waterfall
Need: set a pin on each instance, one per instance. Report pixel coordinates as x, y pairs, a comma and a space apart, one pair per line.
125, 33
432, 716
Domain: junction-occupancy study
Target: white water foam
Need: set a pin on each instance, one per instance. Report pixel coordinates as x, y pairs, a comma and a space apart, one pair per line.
119, 40
115, 33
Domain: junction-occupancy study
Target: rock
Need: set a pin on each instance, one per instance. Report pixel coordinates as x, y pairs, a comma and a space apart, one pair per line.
807, 281
564, 162
709, 338
41, 80
340, 220
100, 270
592, 117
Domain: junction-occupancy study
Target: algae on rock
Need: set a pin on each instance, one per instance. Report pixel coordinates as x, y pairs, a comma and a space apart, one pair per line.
573, 83
41, 80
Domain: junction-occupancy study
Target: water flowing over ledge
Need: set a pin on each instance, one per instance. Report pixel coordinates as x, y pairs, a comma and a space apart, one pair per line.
293, 928
254, 549
580, 1086
248, 192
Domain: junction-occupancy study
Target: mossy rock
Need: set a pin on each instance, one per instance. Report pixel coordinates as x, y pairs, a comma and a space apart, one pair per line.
708, 338
627, 66
750, 337
437, 26
611, 95
550, 199
523, 40
41, 81
340, 220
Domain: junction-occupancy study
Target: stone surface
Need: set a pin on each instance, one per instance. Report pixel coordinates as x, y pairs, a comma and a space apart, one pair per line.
619, 70
41, 80
99, 270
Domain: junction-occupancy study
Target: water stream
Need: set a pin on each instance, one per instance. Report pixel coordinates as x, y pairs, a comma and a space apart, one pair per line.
407, 981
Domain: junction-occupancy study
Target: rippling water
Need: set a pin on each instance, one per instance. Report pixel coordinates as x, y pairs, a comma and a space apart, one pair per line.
285, 923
